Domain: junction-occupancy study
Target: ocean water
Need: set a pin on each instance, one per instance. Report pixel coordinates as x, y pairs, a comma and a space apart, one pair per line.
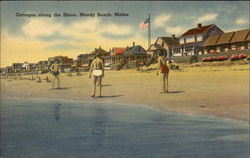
36, 128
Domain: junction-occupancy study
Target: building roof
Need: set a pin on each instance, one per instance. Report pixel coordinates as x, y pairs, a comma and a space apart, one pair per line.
133, 50
196, 31
99, 50
212, 40
225, 38
248, 37
230, 37
43, 62
240, 35
155, 46
119, 51
83, 56
170, 41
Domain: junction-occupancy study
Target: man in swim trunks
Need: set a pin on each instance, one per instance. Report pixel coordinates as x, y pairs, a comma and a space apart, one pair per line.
97, 72
55, 72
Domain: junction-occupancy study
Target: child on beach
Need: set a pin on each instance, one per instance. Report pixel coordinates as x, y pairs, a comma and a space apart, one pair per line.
97, 72
55, 72
164, 71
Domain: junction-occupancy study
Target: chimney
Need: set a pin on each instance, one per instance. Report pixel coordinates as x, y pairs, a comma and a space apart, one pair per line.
199, 25
133, 44
173, 36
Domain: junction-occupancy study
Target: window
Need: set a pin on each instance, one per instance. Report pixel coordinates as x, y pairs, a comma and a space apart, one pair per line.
195, 38
184, 40
190, 48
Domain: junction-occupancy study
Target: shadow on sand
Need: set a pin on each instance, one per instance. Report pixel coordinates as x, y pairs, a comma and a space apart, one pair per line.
174, 92
106, 85
61, 88
109, 96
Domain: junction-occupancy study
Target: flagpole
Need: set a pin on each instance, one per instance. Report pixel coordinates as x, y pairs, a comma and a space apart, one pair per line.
149, 31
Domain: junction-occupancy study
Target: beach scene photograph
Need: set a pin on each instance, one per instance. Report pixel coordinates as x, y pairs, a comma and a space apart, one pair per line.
124, 79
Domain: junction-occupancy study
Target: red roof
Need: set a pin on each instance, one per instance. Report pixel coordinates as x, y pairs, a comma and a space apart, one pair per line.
119, 51
196, 30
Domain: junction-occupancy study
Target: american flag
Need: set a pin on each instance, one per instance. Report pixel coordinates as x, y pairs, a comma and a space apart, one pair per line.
144, 24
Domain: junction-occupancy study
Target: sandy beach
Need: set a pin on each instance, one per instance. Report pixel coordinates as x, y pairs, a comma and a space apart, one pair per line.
217, 91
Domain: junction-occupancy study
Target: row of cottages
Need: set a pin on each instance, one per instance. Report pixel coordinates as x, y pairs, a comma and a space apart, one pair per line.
65, 63
230, 41
16, 68
113, 56
163, 44
195, 38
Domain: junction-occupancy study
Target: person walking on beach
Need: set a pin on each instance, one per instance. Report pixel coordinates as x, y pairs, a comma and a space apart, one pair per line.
164, 71
97, 72
55, 72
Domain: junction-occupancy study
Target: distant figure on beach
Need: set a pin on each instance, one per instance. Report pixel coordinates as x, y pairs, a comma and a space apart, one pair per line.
97, 72
39, 80
55, 72
47, 79
194, 58
164, 71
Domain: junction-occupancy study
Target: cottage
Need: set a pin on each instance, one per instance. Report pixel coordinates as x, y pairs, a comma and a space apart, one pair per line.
17, 67
82, 60
116, 54
164, 44
65, 62
32, 67
230, 41
105, 55
130, 56
4, 71
136, 52
101, 51
195, 38
42, 65
7, 70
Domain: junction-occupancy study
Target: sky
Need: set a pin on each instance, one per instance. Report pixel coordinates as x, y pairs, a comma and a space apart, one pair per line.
33, 39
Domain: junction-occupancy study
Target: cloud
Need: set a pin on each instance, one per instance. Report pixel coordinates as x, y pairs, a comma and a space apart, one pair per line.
83, 27
161, 20
44, 29
207, 17
54, 37
115, 29
64, 46
174, 30
228, 9
38, 27
241, 21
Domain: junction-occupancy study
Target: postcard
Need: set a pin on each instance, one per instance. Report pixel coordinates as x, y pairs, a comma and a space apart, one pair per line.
124, 79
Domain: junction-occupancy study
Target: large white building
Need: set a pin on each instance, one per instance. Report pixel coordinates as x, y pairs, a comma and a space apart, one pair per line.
194, 38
